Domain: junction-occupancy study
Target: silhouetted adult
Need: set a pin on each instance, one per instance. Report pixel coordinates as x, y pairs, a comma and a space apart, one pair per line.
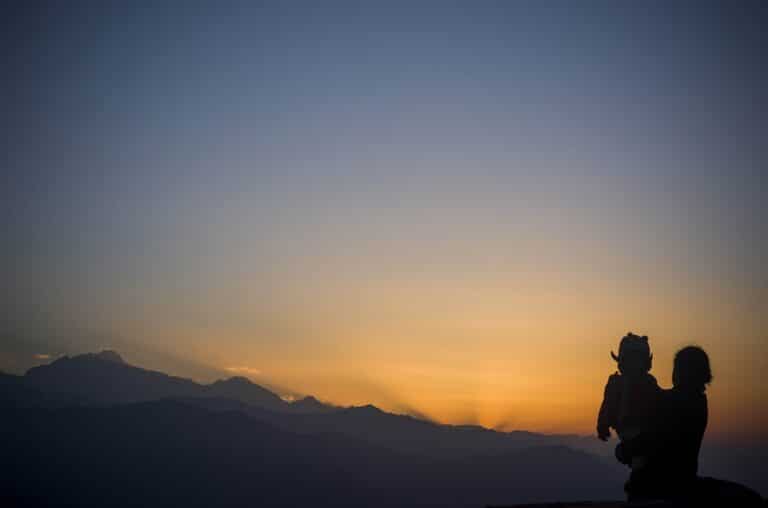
672, 444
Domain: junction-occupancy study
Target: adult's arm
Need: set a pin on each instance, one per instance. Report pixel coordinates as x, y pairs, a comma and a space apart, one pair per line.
663, 429
680, 418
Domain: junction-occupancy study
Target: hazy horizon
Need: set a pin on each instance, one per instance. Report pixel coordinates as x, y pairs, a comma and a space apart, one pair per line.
445, 209
146, 357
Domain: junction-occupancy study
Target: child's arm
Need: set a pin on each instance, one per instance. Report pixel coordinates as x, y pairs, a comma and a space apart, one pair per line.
609, 409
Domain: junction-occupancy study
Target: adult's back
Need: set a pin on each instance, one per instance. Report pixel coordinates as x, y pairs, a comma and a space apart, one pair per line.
686, 415
673, 443
671, 447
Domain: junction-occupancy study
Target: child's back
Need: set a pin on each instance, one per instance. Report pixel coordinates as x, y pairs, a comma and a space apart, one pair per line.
637, 405
631, 396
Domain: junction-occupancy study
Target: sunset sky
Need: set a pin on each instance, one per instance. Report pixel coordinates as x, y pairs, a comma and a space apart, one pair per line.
448, 209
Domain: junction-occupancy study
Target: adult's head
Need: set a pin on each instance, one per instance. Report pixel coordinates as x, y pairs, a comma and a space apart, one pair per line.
691, 370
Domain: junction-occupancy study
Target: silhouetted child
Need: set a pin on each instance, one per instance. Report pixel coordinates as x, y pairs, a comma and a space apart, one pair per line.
631, 395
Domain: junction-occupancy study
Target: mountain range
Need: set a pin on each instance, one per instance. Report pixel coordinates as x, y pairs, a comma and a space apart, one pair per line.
98, 379
93, 430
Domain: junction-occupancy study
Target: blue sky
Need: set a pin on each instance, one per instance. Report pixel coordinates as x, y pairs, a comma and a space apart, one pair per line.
215, 178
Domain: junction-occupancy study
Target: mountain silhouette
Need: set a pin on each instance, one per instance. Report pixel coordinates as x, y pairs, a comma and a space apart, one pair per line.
310, 404
94, 430
108, 355
241, 389
105, 378
172, 453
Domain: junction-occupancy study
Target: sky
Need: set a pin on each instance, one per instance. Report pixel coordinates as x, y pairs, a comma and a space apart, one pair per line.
451, 209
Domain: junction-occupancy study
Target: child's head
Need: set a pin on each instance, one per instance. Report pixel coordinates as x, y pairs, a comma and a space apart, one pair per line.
691, 370
634, 354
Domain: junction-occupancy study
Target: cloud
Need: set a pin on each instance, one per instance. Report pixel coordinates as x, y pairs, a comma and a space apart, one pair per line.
243, 370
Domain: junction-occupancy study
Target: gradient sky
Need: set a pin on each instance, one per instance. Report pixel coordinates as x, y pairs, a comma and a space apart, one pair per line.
450, 209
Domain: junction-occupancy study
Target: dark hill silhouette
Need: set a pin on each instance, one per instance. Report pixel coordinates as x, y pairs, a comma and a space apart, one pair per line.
241, 389
16, 391
105, 378
310, 404
108, 355
172, 453
409, 434
396, 432
475, 464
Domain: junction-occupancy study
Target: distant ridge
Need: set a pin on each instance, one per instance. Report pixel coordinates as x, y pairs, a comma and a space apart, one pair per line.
242, 389
109, 355
350, 455
169, 452
106, 378
310, 404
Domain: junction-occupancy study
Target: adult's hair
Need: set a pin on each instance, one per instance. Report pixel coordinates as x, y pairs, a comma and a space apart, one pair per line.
691, 370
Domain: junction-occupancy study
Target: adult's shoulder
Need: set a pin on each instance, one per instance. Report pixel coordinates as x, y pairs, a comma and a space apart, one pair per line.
667, 400
686, 402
